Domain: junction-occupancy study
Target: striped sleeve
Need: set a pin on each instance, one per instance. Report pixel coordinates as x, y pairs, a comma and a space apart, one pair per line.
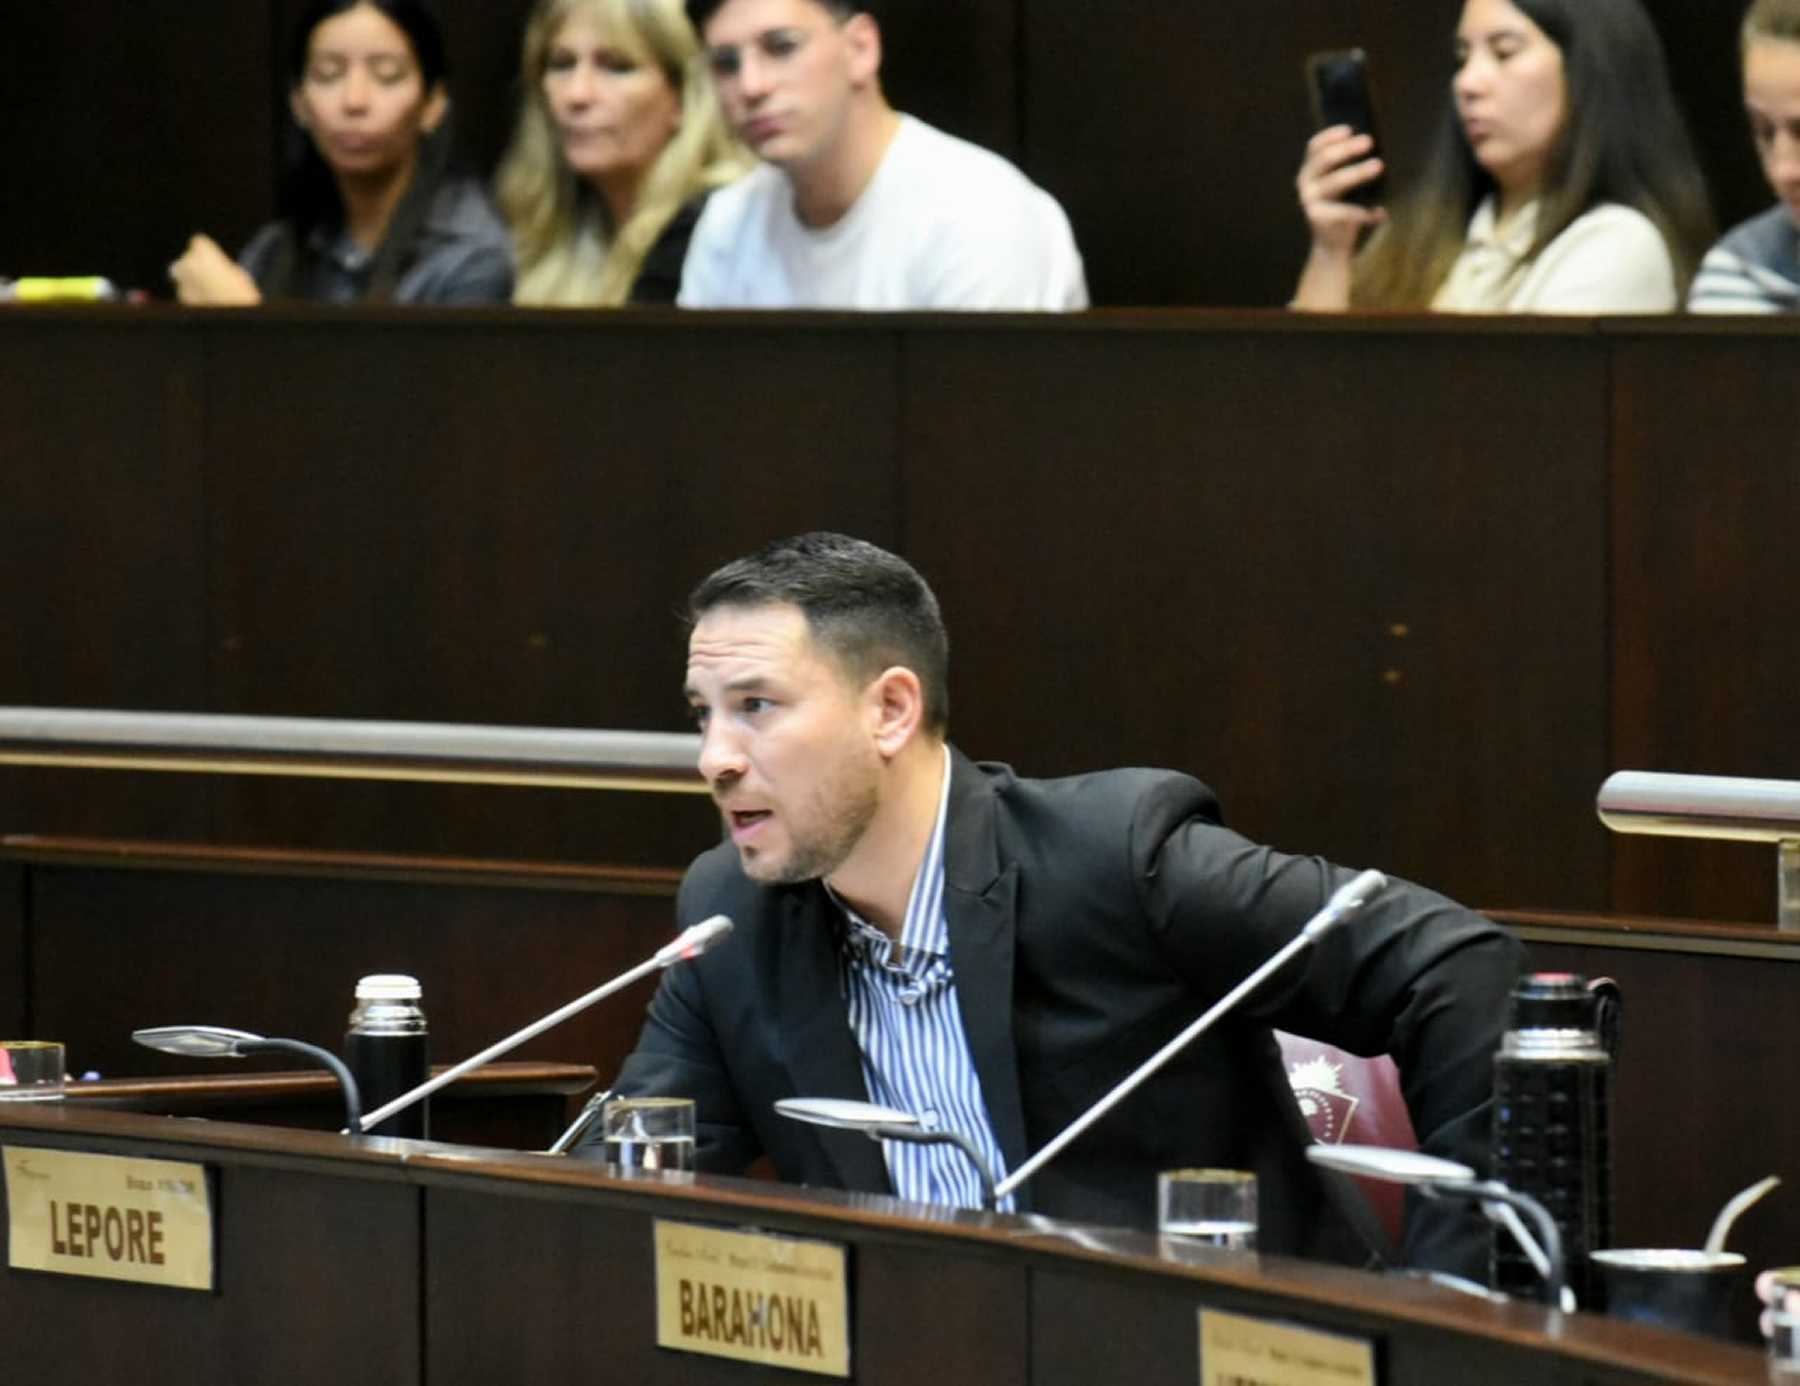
1729, 283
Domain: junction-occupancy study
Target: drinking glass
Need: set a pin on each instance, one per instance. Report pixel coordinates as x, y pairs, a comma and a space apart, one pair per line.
30, 1071
1207, 1207
649, 1133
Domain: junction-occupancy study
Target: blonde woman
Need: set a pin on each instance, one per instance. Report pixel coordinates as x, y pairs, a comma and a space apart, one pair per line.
618, 145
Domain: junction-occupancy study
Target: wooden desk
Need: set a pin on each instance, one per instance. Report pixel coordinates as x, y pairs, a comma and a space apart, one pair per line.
397, 1262
1696, 1113
516, 1106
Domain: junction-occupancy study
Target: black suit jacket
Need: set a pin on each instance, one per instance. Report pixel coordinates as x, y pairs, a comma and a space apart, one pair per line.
1091, 919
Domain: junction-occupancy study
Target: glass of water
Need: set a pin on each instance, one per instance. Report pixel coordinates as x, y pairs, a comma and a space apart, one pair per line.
30, 1071
1207, 1207
649, 1133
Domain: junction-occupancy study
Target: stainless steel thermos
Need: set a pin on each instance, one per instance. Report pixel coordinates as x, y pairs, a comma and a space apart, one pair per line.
1551, 1136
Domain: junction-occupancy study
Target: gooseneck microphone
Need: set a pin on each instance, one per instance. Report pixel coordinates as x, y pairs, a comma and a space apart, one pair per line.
691, 944
219, 1042
1344, 902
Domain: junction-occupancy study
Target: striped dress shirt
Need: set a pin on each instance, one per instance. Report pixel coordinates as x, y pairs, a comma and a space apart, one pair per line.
915, 1056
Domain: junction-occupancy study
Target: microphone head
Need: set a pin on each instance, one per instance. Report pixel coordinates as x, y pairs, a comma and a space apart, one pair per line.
698, 938
1345, 901
1360, 891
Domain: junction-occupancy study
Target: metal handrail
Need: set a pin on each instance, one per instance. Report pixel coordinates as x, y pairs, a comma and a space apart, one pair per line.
1713, 806
331, 748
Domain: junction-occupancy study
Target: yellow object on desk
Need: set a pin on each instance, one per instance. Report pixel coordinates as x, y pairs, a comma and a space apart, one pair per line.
89, 288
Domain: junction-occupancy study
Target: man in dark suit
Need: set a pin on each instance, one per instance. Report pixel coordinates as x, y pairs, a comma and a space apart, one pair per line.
995, 953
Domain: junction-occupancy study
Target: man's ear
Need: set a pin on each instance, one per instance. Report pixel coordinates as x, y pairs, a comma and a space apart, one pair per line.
862, 36
896, 706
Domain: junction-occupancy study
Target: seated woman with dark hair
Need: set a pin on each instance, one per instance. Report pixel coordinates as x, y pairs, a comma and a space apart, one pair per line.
618, 145
1562, 180
370, 209
1756, 268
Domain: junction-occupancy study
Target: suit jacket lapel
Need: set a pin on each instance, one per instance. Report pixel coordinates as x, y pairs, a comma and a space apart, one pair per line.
816, 1039
980, 899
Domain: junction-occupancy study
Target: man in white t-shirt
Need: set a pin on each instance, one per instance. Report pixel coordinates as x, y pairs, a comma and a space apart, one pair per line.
854, 204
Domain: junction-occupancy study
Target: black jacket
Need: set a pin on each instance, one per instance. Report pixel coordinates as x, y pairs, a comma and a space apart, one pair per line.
1091, 919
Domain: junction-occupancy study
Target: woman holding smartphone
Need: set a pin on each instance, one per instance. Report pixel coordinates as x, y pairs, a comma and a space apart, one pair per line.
1562, 179
370, 210
619, 143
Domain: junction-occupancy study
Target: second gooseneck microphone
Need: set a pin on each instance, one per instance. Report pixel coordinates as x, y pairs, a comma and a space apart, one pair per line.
1345, 901
690, 944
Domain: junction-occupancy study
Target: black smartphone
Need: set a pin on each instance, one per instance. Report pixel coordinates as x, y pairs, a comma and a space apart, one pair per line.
1342, 95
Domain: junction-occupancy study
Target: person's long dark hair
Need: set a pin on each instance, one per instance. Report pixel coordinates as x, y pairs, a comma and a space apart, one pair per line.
308, 200
1623, 140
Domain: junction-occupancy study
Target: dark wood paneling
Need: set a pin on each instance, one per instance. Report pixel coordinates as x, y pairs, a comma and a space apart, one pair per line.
1706, 430
116, 949
501, 525
1213, 530
542, 1257
125, 128
1704, 68
318, 1283
1127, 124
1359, 600
979, 1318
484, 41
102, 555
537, 1271
15, 968
956, 64
552, 1266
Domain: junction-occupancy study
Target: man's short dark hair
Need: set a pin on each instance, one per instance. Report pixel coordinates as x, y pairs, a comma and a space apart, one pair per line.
869, 608
699, 11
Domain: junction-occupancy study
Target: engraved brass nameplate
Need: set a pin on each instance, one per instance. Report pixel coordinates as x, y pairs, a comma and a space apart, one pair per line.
110, 1218
1237, 1349
780, 1301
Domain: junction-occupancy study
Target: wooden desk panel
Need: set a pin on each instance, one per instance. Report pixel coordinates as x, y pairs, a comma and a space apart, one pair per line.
1694, 1113
102, 563
1362, 617
534, 1270
318, 1283
1202, 531
507, 534
1706, 664
557, 1264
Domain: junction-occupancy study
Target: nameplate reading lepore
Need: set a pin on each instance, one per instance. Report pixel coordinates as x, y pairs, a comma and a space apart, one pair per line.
1235, 1350
775, 1300
110, 1218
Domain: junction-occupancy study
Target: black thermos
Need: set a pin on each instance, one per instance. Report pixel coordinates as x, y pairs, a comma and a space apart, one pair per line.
386, 1050
1552, 1105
